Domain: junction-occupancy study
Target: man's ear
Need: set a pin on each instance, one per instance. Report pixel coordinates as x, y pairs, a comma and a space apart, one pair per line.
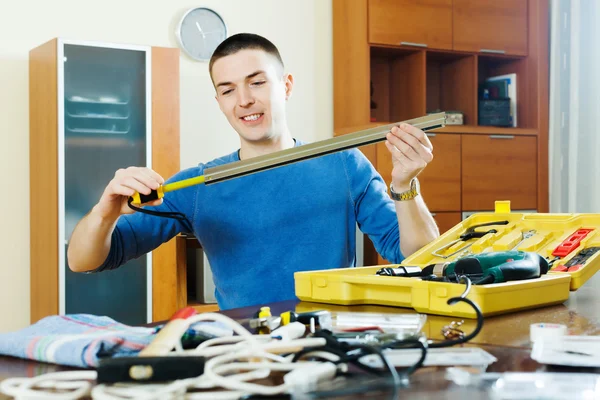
288, 80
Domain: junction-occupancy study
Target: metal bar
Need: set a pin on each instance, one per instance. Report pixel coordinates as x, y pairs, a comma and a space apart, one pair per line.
312, 150
413, 44
493, 51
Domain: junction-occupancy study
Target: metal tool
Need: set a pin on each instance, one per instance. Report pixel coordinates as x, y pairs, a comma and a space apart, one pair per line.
406, 271
469, 234
288, 156
264, 322
525, 235
578, 261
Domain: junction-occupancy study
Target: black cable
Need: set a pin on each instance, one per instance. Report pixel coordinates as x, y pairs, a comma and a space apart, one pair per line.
410, 343
454, 300
345, 353
384, 360
342, 350
175, 215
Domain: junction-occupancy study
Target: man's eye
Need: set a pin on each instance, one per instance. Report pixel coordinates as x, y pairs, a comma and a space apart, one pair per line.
226, 92
259, 83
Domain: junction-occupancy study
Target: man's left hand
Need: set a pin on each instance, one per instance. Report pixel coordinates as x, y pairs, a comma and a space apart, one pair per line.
411, 152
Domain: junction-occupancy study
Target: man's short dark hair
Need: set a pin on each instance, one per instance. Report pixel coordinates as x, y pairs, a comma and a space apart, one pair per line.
243, 41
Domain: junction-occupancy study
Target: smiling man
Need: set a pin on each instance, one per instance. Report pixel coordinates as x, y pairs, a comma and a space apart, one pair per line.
259, 229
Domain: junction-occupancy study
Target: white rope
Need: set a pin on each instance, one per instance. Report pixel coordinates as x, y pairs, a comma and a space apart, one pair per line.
232, 364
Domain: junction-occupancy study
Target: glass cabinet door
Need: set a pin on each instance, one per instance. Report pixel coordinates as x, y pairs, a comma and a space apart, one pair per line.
105, 125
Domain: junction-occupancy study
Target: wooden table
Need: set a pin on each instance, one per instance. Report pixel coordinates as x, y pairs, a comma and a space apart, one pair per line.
506, 337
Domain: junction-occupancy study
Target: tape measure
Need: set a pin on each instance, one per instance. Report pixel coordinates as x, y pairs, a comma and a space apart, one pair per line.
543, 331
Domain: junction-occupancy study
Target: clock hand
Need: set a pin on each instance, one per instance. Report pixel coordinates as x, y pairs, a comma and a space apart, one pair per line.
200, 29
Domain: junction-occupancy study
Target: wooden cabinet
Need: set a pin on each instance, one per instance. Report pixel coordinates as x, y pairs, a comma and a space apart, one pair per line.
379, 80
498, 167
91, 108
490, 26
422, 23
446, 220
440, 181
394, 73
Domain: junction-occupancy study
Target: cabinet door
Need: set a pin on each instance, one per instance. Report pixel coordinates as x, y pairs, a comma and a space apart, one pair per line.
104, 117
423, 23
498, 167
490, 26
440, 180
447, 220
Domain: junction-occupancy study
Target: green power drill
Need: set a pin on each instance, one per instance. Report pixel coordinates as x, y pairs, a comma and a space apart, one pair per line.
492, 267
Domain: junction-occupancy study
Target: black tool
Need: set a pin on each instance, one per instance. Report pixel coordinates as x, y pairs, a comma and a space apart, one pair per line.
400, 271
471, 233
149, 369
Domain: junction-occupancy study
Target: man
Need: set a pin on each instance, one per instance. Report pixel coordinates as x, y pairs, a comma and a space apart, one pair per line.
259, 229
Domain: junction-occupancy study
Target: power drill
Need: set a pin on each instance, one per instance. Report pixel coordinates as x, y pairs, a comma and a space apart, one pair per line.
492, 267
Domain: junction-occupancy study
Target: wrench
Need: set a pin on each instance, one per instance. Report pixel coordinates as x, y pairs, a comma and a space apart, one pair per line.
526, 235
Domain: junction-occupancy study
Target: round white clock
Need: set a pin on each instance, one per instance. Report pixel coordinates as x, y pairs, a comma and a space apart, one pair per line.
200, 31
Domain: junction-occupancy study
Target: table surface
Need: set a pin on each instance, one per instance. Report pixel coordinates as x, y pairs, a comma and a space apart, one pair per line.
506, 337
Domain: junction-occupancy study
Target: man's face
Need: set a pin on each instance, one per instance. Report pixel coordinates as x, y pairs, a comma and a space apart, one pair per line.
251, 92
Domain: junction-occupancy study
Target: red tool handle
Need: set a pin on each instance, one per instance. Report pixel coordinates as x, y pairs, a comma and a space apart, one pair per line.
570, 243
184, 313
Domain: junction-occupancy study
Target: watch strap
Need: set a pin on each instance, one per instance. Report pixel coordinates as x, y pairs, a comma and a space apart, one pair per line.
406, 195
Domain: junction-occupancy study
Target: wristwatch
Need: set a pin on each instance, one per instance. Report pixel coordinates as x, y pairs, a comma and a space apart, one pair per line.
407, 195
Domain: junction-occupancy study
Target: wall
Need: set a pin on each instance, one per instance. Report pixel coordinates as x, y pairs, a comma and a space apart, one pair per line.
300, 28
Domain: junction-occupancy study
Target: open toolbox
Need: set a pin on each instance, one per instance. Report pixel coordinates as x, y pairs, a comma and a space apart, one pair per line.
569, 242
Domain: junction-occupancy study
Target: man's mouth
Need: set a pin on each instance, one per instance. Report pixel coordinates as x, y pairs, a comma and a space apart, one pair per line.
252, 117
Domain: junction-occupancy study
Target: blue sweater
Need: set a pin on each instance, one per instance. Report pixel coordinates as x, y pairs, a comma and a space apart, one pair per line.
257, 230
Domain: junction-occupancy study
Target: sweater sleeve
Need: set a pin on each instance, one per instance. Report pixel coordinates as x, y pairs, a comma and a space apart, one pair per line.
139, 233
374, 209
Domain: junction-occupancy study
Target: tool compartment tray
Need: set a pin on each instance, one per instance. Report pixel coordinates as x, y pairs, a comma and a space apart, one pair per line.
361, 285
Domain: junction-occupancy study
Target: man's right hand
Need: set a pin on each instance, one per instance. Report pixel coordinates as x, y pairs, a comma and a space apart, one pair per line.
124, 184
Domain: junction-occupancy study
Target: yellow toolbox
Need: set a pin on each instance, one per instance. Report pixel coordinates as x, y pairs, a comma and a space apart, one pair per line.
570, 242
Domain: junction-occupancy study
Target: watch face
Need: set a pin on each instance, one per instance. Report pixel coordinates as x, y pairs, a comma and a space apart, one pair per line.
200, 32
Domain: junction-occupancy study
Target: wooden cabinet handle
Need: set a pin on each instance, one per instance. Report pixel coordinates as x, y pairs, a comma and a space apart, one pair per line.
413, 44
430, 134
502, 136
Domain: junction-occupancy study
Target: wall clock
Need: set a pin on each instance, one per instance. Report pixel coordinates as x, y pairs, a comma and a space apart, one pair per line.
200, 31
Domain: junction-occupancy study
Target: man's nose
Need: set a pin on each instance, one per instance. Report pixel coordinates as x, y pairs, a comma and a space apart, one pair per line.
245, 98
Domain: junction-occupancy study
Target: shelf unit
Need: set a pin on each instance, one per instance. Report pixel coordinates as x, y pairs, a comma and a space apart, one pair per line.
436, 59
92, 111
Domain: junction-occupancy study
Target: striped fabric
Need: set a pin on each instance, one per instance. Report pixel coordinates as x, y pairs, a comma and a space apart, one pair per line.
81, 340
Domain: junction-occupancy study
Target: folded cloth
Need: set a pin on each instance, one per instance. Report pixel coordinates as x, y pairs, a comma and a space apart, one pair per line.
81, 340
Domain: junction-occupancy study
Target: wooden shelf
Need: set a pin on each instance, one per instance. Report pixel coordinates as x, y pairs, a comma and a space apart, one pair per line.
473, 129
95, 142
201, 307
487, 130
